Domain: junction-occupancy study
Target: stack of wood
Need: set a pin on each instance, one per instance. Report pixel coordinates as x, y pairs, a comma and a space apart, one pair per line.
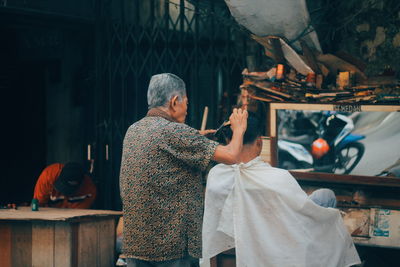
315, 77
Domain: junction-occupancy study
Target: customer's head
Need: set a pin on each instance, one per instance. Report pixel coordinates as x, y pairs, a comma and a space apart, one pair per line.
252, 142
253, 132
70, 178
254, 129
168, 91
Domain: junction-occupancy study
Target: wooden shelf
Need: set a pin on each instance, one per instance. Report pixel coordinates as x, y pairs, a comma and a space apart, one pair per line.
347, 179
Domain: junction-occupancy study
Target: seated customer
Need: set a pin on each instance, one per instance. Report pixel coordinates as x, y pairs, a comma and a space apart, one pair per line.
65, 186
264, 214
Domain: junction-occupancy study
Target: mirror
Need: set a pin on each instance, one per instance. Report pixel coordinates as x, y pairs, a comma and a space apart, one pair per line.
361, 140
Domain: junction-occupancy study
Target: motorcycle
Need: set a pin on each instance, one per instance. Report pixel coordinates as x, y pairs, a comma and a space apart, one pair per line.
326, 144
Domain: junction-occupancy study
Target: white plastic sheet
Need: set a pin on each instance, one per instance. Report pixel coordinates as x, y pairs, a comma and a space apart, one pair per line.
284, 18
268, 218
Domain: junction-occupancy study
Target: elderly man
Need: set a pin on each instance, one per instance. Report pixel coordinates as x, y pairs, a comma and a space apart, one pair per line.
160, 179
263, 213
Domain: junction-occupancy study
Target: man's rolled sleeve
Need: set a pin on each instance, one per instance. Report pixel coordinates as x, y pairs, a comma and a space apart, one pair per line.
188, 145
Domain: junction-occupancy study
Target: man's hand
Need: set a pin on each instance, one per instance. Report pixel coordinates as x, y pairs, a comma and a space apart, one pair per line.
205, 132
238, 120
229, 154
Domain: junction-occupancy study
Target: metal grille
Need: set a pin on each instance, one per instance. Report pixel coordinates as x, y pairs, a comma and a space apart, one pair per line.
136, 39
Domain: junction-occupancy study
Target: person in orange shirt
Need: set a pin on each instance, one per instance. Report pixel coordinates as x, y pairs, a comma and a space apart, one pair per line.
65, 186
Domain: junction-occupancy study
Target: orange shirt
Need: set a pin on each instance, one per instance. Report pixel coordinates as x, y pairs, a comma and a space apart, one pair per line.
47, 195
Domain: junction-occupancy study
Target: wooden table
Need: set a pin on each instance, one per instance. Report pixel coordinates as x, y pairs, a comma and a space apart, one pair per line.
57, 237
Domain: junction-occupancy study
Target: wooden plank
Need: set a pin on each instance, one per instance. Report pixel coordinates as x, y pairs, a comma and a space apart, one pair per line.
77, 242
347, 179
373, 202
54, 214
352, 60
272, 121
43, 244
107, 238
274, 92
213, 262
334, 63
266, 149
64, 244
263, 98
297, 106
5, 244
88, 251
274, 151
21, 244
310, 57
276, 44
226, 259
264, 41
382, 108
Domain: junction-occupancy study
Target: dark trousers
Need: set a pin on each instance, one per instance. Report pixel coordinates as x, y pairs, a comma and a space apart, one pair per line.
187, 261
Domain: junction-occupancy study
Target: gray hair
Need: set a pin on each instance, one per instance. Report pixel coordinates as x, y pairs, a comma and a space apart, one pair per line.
163, 87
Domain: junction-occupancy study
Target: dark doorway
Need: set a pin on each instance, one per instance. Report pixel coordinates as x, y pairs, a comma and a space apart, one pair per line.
23, 121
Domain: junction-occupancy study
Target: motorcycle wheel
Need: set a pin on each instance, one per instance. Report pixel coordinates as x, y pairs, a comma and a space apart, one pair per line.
348, 157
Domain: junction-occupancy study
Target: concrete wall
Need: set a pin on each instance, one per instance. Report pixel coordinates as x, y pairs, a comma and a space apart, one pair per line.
367, 29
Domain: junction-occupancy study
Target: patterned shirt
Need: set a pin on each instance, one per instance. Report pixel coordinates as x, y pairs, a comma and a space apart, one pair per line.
162, 190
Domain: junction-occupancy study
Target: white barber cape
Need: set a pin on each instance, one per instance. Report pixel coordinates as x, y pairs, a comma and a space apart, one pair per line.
263, 213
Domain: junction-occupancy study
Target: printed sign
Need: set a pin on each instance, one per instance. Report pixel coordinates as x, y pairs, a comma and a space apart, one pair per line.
382, 223
347, 108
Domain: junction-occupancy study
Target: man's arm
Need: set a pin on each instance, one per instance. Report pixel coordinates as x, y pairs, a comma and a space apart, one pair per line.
229, 154
45, 182
85, 196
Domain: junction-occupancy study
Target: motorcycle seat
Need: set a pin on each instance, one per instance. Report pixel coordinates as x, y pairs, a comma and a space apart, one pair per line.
304, 139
